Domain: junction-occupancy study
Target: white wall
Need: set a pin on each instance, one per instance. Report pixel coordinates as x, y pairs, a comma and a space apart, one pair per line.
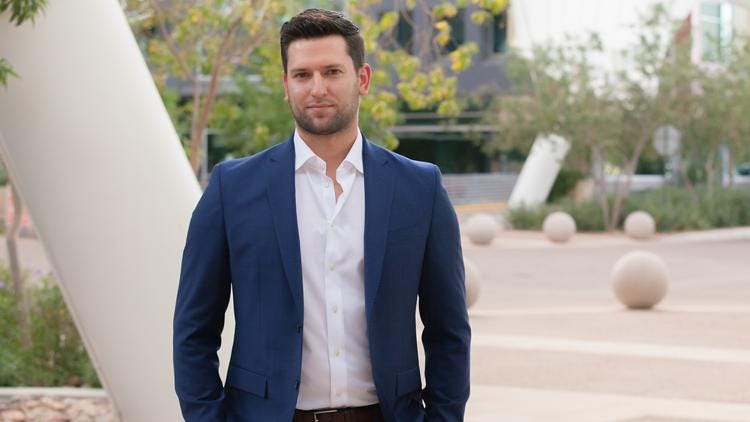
543, 21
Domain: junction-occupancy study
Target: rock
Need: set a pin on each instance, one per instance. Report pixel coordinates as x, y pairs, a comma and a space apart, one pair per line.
639, 280
559, 227
640, 225
481, 229
43, 413
52, 403
12, 415
57, 409
84, 407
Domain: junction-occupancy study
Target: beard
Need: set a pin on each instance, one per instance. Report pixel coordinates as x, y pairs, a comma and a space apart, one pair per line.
343, 116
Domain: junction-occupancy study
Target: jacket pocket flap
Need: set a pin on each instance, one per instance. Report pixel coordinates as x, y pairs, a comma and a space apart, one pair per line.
247, 381
408, 382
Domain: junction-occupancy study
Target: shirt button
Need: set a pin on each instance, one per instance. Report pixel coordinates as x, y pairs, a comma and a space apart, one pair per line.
338, 352
331, 266
335, 309
339, 393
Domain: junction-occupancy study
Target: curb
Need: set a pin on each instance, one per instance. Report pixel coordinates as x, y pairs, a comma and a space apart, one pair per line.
716, 235
7, 393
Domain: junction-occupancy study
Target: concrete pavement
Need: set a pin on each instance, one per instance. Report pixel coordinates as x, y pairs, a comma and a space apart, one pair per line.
551, 343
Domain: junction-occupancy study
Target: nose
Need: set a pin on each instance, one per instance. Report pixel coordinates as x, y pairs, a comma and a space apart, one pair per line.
318, 87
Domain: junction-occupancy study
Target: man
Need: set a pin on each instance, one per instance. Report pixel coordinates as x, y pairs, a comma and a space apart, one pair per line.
325, 241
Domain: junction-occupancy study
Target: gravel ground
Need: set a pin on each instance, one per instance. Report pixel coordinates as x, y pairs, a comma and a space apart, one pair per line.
47, 409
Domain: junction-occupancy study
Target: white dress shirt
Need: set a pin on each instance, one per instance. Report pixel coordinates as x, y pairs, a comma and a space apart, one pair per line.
336, 368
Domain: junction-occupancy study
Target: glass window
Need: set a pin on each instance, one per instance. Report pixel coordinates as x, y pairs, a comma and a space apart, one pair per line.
499, 33
716, 30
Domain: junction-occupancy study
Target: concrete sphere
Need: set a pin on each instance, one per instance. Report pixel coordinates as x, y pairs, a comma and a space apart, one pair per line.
640, 225
639, 279
473, 282
559, 227
481, 229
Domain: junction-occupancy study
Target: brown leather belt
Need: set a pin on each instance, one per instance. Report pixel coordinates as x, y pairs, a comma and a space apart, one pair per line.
369, 413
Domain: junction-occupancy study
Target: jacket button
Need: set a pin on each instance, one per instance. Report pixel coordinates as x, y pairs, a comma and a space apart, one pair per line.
296, 385
299, 328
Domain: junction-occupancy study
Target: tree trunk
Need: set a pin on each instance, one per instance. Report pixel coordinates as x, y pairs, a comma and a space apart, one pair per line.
709, 166
621, 194
600, 184
24, 325
201, 116
687, 182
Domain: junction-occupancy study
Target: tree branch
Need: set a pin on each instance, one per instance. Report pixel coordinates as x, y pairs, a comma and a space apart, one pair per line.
164, 31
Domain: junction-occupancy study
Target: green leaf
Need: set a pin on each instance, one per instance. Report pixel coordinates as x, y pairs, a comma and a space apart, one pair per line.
444, 11
388, 21
22, 10
5, 71
480, 16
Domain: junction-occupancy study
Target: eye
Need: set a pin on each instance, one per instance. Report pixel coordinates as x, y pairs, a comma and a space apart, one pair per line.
301, 75
334, 71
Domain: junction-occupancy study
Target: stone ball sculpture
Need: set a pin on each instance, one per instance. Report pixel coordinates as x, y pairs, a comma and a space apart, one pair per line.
639, 279
473, 282
559, 227
481, 229
640, 225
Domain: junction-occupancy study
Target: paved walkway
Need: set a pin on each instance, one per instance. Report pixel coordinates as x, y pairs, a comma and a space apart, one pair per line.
550, 342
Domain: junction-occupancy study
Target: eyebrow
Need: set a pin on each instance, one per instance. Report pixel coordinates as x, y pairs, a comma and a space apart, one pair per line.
304, 69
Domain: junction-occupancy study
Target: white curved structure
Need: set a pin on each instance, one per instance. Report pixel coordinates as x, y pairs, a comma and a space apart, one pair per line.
539, 171
94, 155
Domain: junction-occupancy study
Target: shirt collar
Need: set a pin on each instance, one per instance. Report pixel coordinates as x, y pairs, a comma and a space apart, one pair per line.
303, 153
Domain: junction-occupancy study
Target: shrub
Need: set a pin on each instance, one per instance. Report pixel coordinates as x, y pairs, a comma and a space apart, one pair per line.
56, 356
672, 208
565, 182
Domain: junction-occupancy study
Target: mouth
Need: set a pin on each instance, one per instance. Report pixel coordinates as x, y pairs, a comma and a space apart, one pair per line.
319, 106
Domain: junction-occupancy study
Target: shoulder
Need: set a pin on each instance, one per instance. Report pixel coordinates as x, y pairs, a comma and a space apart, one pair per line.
406, 168
240, 167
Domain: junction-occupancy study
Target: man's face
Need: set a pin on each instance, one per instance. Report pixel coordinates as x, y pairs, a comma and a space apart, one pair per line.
322, 86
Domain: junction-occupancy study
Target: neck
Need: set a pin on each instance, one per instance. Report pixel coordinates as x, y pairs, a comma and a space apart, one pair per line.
331, 148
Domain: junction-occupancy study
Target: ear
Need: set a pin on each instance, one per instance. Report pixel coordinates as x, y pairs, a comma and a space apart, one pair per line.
286, 88
364, 75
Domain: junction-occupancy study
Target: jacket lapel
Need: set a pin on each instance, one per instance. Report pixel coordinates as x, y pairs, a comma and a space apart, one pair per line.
281, 196
378, 197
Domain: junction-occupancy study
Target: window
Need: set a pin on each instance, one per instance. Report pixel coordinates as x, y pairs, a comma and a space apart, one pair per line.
499, 33
716, 30
458, 32
402, 35
405, 30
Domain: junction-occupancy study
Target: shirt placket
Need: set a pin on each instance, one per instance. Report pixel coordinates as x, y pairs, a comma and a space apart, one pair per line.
333, 293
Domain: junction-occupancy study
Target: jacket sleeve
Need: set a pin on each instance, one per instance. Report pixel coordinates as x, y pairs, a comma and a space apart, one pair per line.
202, 299
442, 307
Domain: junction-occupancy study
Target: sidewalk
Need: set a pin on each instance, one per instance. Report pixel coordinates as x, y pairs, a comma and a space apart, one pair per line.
550, 342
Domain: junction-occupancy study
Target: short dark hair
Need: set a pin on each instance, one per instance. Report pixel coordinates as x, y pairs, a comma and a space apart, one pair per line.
318, 23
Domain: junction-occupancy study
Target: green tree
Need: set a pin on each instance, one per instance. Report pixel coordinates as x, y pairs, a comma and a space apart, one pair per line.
608, 117
210, 43
20, 12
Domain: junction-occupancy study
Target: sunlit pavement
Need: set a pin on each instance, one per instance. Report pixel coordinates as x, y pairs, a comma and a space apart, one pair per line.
551, 342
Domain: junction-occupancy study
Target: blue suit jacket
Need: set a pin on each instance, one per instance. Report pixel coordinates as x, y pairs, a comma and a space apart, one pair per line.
243, 237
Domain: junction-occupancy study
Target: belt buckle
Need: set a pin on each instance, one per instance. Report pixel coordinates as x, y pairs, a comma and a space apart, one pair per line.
322, 412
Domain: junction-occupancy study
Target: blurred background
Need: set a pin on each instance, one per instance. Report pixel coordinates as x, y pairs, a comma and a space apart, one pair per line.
651, 100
